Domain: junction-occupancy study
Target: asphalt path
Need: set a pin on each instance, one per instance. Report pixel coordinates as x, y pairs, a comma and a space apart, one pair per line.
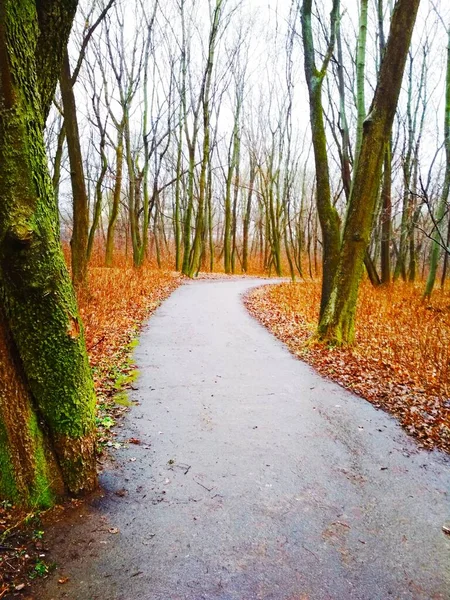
255, 478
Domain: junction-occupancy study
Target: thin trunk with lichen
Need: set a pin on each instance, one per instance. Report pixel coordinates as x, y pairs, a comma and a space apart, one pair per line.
337, 324
47, 400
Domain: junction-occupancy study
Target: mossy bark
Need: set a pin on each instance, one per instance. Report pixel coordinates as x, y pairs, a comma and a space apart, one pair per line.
328, 215
29, 471
45, 334
338, 320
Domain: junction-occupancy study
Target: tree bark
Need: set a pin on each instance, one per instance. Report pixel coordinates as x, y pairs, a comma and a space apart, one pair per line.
337, 324
43, 348
328, 215
440, 213
79, 240
109, 254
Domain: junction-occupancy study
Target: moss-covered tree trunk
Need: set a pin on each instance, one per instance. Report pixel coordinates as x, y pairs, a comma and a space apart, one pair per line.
47, 398
328, 215
29, 470
338, 320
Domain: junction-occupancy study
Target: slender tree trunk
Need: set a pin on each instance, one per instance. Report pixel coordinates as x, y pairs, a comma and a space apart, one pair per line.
98, 197
235, 207
446, 257
328, 215
210, 221
338, 320
109, 255
386, 190
247, 217
345, 152
79, 241
360, 75
386, 217
177, 216
437, 237
56, 179
189, 211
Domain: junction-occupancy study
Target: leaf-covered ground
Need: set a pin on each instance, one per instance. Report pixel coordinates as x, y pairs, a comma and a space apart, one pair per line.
400, 361
113, 309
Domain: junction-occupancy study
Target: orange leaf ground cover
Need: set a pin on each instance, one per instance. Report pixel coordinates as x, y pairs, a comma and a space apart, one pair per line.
400, 361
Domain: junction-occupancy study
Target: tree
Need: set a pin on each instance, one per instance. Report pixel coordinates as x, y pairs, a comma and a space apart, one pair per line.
81, 245
338, 320
79, 241
47, 400
328, 215
440, 213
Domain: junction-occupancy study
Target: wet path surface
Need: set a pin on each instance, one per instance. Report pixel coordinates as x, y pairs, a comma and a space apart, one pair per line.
255, 478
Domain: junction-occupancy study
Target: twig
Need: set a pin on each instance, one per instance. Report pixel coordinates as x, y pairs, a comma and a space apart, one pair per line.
204, 486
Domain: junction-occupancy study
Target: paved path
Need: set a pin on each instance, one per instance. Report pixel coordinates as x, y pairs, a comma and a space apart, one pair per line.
255, 479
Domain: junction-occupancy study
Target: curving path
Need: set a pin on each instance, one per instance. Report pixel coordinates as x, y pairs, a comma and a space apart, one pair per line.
255, 478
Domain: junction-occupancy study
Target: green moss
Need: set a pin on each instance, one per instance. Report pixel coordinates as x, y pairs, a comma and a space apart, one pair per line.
122, 399
125, 379
133, 344
39, 302
8, 488
42, 494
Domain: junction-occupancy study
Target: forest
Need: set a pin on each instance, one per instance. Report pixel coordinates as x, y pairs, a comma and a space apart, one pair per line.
146, 144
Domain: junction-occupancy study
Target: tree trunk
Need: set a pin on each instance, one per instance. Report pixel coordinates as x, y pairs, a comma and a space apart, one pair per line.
338, 320
98, 197
116, 199
386, 216
79, 241
29, 470
43, 350
247, 216
360, 75
328, 215
440, 213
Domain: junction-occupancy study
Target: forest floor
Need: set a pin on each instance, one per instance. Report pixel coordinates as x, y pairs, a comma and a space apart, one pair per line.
241, 474
400, 361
